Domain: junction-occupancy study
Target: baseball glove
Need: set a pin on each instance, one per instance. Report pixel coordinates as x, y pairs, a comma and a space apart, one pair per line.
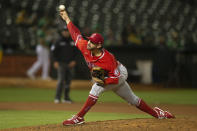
98, 75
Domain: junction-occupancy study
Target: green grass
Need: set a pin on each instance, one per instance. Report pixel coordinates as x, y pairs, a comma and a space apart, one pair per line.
14, 119
172, 97
15, 94
181, 96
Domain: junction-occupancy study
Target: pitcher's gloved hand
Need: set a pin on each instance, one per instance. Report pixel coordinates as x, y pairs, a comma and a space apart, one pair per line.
98, 75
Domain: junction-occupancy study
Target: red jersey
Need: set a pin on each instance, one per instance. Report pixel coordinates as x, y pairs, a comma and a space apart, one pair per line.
106, 61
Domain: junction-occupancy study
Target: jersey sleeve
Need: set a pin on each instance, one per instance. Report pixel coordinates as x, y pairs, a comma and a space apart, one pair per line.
80, 42
113, 73
82, 46
74, 32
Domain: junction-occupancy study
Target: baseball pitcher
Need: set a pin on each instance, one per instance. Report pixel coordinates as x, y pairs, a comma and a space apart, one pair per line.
107, 74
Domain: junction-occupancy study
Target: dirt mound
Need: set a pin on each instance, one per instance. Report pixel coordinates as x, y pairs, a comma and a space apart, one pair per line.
180, 124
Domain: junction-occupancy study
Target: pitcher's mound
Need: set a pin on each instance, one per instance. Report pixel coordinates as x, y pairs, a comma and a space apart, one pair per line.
123, 125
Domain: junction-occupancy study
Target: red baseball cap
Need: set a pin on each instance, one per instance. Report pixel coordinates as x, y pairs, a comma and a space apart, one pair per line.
96, 38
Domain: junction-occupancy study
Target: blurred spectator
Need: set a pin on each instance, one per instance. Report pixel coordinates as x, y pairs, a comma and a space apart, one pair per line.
31, 20
162, 42
173, 40
142, 34
42, 52
134, 36
21, 17
64, 54
125, 34
25, 14
149, 38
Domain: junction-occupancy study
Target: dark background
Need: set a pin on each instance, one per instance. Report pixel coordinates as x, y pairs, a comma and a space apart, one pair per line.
163, 31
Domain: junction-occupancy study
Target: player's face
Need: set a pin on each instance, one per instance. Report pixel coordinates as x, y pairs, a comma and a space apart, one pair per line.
91, 45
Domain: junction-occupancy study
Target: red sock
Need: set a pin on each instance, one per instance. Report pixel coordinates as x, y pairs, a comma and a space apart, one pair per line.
144, 107
89, 103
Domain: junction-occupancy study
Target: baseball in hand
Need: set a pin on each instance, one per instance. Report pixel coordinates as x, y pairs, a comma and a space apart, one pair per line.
61, 7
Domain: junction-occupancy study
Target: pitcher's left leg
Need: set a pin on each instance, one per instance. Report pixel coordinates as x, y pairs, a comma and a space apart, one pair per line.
91, 101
